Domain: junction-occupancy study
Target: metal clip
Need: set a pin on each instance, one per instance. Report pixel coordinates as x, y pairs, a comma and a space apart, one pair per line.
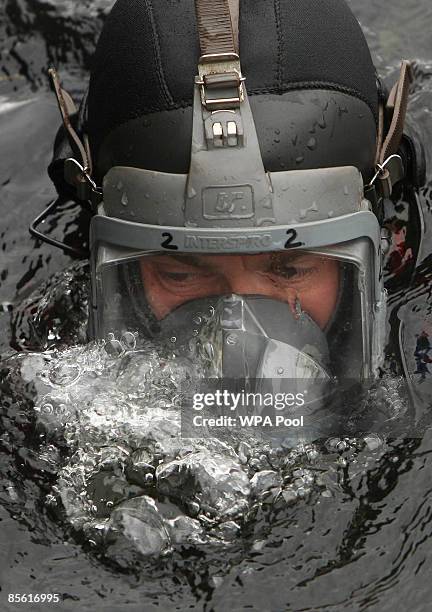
389, 173
220, 73
78, 176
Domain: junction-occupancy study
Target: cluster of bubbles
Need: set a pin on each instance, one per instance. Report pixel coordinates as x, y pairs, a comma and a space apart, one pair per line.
129, 481
128, 478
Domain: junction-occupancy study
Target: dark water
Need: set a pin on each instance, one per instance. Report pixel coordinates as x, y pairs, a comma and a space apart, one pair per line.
363, 547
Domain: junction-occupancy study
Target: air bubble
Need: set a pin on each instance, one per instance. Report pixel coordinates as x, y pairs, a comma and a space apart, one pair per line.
114, 347
64, 374
129, 341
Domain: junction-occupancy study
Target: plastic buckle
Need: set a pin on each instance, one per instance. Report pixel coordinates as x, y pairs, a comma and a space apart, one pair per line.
220, 75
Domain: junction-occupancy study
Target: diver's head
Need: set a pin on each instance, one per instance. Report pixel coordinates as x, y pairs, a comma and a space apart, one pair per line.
243, 152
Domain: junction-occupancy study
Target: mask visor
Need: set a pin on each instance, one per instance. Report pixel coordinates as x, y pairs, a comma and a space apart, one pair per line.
248, 307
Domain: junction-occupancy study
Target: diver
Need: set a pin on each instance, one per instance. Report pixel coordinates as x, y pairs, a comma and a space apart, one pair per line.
237, 157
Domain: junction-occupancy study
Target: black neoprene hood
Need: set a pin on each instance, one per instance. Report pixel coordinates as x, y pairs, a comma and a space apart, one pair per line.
309, 75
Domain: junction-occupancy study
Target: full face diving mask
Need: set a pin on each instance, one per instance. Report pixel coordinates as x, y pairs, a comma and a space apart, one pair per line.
152, 227
294, 314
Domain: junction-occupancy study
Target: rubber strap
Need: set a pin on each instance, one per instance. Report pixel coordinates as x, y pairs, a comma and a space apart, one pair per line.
398, 102
380, 136
67, 107
217, 26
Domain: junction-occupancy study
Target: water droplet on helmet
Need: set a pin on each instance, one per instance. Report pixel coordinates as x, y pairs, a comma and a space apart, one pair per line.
312, 144
124, 200
191, 193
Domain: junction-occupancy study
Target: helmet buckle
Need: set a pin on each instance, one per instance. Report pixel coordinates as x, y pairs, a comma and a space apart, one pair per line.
221, 81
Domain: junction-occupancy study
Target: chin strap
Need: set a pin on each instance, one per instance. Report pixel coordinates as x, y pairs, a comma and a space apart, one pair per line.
76, 172
389, 166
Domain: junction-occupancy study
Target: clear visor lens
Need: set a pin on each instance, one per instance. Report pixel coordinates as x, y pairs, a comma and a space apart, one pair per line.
293, 299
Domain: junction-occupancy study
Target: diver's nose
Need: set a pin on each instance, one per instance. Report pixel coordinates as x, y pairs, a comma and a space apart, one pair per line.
245, 275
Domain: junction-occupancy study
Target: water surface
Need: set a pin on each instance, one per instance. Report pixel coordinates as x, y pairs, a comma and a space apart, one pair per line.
341, 527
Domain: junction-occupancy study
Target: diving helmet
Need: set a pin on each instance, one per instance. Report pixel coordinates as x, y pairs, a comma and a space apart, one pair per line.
236, 156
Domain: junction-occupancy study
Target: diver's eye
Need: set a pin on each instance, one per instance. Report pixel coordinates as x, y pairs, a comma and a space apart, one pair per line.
178, 277
182, 276
290, 271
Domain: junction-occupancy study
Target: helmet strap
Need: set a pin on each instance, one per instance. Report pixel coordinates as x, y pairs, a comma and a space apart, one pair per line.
389, 166
77, 172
